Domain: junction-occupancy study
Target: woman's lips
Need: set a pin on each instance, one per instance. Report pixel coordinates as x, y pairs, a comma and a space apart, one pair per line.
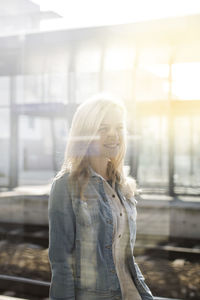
111, 146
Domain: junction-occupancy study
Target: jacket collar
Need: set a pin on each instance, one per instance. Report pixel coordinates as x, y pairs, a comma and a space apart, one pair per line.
94, 174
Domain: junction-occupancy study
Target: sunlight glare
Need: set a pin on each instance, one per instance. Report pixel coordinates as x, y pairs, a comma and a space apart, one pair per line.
78, 13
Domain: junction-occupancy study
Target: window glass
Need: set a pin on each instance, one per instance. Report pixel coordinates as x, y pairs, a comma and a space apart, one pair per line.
185, 84
4, 90
153, 154
187, 157
4, 145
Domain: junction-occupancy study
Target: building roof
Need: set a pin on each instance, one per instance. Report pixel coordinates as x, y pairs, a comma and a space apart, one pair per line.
158, 41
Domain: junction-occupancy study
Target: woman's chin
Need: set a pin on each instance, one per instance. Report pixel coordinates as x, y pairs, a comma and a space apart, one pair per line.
112, 153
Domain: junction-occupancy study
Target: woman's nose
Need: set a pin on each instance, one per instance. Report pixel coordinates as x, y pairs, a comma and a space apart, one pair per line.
112, 132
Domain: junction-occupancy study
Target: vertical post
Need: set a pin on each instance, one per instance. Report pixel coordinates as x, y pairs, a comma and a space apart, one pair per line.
14, 142
134, 158
53, 137
160, 146
72, 76
101, 69
170, 132
191, 147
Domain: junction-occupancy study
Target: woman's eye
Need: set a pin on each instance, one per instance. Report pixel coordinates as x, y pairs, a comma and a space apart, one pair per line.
106, 129
102, 129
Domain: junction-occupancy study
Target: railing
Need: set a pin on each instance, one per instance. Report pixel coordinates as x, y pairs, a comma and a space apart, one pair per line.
43, 286
159, 298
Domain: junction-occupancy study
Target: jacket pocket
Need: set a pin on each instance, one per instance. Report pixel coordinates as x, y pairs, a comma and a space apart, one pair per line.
87, 213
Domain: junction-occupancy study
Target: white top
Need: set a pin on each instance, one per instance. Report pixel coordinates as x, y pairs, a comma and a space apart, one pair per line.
121, 237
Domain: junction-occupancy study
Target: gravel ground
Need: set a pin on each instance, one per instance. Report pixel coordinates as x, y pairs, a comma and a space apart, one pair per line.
174, 279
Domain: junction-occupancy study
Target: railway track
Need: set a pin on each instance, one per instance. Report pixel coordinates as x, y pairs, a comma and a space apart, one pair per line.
25, 287
170, 251
39, 235
35, 234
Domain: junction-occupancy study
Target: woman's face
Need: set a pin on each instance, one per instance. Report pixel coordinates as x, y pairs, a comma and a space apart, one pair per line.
110, 137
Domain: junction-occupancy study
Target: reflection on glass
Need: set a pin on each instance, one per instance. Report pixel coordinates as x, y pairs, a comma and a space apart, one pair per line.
4, 145
153, 153
187, 157
47, 87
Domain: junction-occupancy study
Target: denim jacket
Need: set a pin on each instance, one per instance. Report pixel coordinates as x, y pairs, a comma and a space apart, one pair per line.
80, 243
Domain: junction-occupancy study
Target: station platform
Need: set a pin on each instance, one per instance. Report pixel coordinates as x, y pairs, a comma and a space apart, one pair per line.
158, 215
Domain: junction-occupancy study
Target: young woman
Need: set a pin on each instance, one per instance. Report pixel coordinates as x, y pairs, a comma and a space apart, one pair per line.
92, 211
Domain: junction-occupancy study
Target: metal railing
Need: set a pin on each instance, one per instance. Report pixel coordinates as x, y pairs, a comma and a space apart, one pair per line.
42, 284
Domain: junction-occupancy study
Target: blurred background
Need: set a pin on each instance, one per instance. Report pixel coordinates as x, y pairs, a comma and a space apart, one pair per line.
56, 54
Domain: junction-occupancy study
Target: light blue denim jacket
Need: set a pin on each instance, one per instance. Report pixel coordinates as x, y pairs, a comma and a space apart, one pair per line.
80, 243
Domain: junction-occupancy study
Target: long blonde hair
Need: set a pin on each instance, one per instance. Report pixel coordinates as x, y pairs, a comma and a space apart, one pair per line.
84, 129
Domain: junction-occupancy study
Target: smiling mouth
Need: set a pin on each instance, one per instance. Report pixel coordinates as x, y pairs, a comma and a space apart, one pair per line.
111, 146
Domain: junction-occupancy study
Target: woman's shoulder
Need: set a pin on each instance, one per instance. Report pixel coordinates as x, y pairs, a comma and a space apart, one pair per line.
59, 195
60, 183
61, 177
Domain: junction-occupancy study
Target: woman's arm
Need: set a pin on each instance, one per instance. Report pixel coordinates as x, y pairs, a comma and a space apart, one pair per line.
61, 241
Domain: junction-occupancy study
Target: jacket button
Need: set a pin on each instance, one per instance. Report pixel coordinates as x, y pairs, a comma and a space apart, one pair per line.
113, 196
113, 271
120, 214
109, 221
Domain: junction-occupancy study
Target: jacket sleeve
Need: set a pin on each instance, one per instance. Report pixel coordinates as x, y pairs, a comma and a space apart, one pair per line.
61, 241
143, 289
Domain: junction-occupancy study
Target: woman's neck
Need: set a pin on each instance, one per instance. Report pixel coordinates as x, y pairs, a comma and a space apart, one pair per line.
99, 165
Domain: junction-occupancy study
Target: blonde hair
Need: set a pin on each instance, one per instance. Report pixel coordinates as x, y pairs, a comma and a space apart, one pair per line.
84, 129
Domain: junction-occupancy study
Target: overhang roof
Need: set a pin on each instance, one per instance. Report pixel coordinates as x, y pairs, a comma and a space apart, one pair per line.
178, 37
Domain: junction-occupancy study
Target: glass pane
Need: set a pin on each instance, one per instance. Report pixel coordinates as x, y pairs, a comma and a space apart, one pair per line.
42, 88
39, 158
119, 58
185, 85
88, 60
187, 157
153, 155
4, 90
4, 145
155, 54
151, 82
119, 83
56, 87
29, 88
196, 152
87, 84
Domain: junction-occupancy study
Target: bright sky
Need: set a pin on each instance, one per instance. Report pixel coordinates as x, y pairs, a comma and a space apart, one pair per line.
86, 13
